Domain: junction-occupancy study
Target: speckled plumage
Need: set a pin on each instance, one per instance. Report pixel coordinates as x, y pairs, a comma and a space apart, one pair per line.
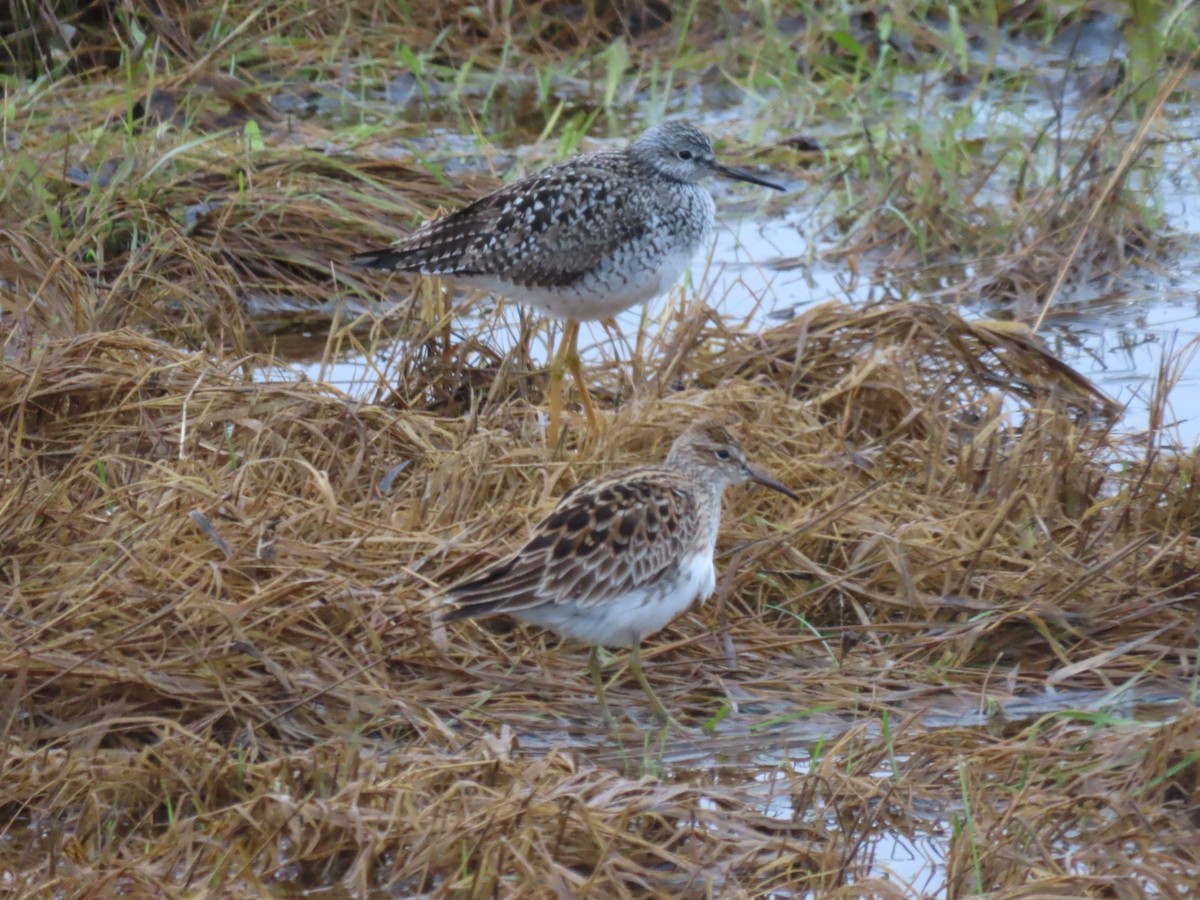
622, 555
582, 239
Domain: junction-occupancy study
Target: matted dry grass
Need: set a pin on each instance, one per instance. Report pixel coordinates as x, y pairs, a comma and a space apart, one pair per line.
222, 672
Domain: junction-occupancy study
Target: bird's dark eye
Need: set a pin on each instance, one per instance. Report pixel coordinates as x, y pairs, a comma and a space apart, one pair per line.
722, 454
684, 154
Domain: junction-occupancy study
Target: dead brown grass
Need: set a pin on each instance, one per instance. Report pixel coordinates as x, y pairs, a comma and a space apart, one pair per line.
222, 673
222, 668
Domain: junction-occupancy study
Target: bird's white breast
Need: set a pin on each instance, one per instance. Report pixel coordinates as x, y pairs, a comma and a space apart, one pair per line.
630, 273
623, 620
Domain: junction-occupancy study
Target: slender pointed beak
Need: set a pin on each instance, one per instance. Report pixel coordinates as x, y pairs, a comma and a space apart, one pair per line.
743, 175
759, 477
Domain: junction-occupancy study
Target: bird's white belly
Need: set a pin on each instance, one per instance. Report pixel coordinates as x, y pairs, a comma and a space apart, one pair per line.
622, 621
629, 276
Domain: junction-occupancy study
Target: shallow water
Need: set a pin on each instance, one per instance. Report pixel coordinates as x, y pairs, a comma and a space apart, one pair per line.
768, 265
769, 262
763, 766
1116, 331
767, 268
1118, 338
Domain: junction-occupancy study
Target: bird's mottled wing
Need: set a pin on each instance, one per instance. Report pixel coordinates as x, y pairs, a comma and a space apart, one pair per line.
603, 539
547, 229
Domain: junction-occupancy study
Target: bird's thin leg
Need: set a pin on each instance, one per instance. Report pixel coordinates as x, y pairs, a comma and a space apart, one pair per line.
558, 366
575, 364
635, 664
606, 716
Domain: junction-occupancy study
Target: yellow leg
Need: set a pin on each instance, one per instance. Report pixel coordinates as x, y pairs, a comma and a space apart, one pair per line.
635, 665
576, 366
606, 716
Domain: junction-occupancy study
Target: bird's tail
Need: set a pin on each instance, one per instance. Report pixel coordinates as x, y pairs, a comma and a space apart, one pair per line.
388, 258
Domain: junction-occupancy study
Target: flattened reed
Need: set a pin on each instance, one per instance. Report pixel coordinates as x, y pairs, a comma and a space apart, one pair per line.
221, 675
222, 667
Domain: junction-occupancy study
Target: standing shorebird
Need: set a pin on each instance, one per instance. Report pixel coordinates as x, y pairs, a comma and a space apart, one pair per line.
580, 240
621, 556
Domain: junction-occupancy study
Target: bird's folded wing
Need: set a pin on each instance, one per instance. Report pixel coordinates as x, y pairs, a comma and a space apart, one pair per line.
603, 540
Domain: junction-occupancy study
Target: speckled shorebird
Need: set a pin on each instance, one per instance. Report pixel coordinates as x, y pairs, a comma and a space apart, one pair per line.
621, 556
582, 239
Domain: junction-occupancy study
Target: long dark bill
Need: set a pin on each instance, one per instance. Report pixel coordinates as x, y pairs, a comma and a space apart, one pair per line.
767, 481
743, 175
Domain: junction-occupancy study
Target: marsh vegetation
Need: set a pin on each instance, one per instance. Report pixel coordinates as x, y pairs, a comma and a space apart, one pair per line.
234, 473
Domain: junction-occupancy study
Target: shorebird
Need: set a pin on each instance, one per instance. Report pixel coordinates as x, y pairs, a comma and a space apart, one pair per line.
580, 240
621, 556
